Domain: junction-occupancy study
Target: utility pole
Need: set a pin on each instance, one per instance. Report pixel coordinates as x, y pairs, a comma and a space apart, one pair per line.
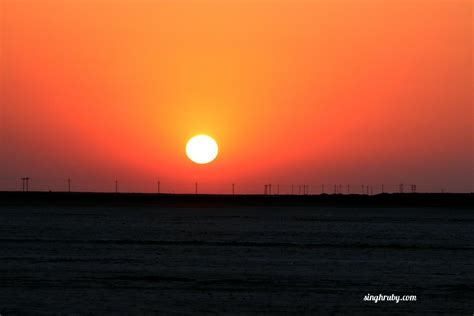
196, 191
116, 186
233, 188
24, 184
270, 189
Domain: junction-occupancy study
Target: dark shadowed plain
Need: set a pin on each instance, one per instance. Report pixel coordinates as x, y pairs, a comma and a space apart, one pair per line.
112, 259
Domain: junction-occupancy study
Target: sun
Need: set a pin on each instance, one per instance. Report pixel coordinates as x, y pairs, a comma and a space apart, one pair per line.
202, 149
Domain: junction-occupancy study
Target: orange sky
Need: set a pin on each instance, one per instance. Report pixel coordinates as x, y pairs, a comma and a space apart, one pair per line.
343, 91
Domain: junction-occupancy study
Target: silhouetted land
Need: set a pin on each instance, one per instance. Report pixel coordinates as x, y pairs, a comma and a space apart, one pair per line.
114, 254
463, 200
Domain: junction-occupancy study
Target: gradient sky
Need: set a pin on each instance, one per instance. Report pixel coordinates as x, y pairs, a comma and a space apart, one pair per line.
343, 91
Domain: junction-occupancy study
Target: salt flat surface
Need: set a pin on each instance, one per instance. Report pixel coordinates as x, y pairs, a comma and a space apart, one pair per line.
235, 260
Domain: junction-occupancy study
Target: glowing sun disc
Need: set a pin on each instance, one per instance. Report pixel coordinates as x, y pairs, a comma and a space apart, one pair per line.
202, 149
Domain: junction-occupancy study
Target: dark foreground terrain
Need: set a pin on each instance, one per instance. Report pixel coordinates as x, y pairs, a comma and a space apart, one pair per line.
205, 200
112, 256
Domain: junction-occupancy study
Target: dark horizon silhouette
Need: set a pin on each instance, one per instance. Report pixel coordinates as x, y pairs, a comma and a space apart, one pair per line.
465, 200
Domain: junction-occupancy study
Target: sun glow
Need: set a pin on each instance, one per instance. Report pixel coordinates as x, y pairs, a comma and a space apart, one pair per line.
202, 149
